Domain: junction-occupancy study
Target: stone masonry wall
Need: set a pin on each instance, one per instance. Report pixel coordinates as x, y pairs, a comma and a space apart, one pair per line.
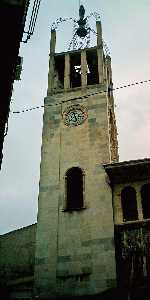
17, 252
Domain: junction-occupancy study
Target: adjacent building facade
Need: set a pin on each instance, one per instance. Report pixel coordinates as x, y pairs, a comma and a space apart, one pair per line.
12, 23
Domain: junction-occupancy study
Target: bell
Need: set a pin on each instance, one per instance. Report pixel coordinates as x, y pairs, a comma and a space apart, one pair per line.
81, 32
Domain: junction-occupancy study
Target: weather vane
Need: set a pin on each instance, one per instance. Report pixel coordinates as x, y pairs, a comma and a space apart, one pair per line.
81, 29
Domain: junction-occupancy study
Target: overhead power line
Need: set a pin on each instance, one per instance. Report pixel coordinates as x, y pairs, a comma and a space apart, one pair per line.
83, 97
33, 19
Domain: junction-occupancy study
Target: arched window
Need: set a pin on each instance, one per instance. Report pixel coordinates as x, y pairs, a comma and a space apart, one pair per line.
74, 189
145, 195
129, 205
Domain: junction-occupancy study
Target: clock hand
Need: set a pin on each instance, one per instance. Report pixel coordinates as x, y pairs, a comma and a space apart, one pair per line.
75, 116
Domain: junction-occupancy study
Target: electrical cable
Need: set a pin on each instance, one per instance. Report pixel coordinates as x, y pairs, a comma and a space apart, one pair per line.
33, 19
83, 97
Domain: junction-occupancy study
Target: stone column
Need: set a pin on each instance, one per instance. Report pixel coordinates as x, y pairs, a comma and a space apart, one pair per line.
108, 69
139, 202
67, 72
83, 68
118, 215
51, 61
100, 52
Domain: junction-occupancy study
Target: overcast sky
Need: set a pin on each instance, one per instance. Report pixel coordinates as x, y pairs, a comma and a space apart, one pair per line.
126, 29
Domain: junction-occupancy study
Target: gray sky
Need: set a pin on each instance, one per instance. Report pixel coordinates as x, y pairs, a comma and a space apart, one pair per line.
126, 29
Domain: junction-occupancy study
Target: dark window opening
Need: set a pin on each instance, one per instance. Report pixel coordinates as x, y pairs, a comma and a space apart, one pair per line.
75, 70
129, 204
110, 90
74, 189
145, 195
92, 69
59, 72
110, 116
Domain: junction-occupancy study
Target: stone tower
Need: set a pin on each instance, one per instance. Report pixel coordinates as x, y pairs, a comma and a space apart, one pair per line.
74, 244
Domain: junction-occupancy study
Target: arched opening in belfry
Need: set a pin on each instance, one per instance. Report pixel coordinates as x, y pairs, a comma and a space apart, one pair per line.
129, 204
74, 188
92, 67
145, 195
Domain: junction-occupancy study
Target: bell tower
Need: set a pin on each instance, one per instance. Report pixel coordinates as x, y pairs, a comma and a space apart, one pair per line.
75, 253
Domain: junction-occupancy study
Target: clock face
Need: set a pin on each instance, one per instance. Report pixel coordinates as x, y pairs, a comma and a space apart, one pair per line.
74, 115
